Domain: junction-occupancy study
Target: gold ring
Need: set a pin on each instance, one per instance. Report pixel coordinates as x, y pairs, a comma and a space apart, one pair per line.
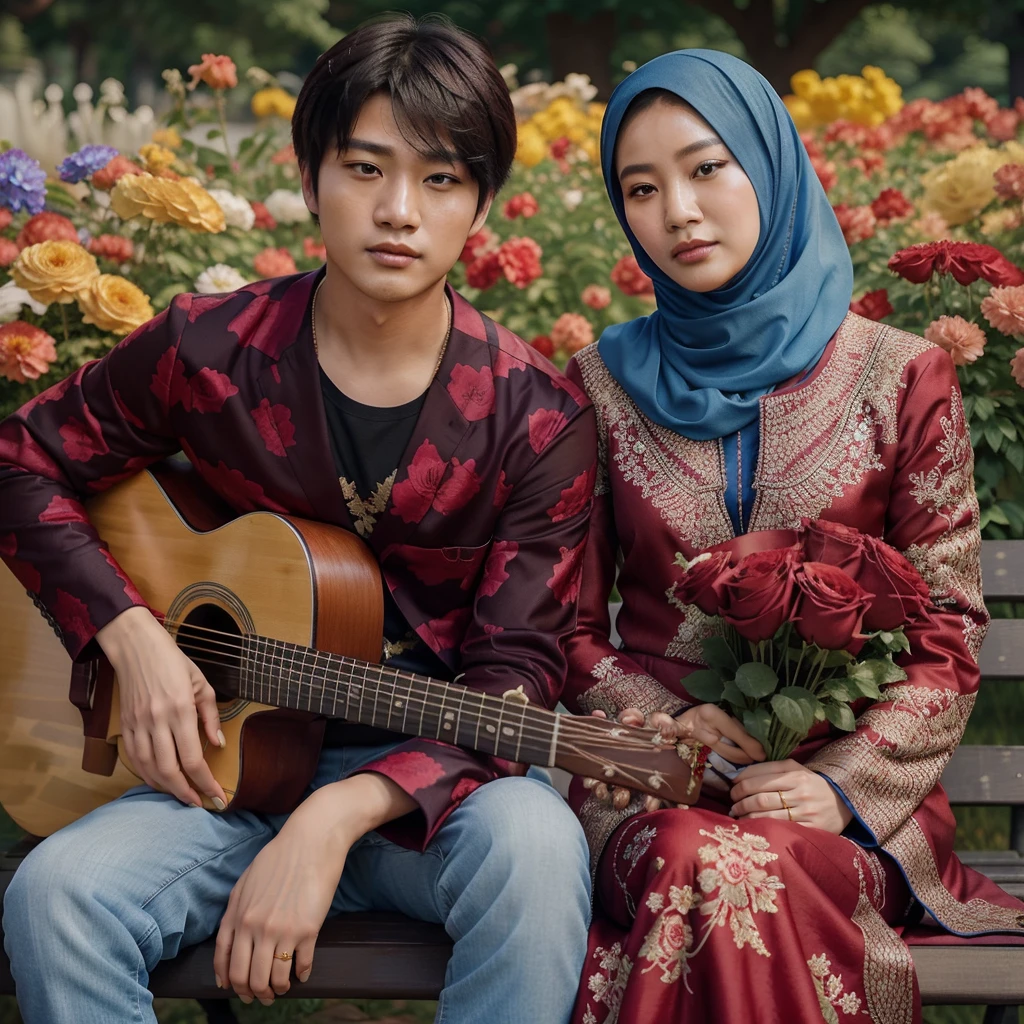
283, 956
788, 809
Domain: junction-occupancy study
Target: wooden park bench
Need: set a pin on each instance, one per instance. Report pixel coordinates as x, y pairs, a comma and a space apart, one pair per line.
389, 956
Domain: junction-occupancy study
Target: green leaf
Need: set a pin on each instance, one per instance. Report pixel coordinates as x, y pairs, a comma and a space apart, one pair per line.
718, 654
794, 706
704, 684
757, 723
841, 716
757, 680
994, 437
836, 658
1015, 456
734, 695
840, 690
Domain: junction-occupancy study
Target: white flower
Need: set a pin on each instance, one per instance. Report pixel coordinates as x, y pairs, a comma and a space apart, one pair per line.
581, 86
219, 278
12, 298
287, 207
572, 198
237, 211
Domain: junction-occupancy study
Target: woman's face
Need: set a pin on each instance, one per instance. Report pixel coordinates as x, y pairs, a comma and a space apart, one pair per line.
688, 202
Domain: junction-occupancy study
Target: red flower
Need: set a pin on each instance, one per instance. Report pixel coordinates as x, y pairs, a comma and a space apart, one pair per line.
5, 217
574, 499
73, 616
411, 498
965, 261
9, 252
273, 262
521, 205
501, 491
891, 204
274, 423
463, 788
314, 250
477, 244
544, 345
899, 591
873, 305
1002, 125
697, 585
504, 363
831, 606
519, 259
834, 544
567, 573
208, 390
472, 391
560, 147
63, 510
826, 172
627, 276
234, 486
411, 769
435, 566
46, 227
856, 222
112, 247
1010, 182
107, 177
83, 441
502, 552
544, 426
483, 272
446, 633
759, 594
458, 489
263, 216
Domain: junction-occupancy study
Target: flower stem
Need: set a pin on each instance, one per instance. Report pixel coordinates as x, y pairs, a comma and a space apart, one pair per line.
64, 320
224, 129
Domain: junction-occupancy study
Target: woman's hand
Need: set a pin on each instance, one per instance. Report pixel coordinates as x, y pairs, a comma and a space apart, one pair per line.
791, 792
707, 724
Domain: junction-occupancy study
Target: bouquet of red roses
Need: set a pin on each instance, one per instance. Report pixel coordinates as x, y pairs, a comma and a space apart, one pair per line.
810, 627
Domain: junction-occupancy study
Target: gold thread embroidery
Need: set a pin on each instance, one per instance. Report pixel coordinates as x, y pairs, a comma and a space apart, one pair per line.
694, 625
616, 689
829, 988
608, 987
599, 821
364, 511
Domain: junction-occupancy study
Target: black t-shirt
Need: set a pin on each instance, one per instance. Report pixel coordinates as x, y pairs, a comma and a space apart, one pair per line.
367, 443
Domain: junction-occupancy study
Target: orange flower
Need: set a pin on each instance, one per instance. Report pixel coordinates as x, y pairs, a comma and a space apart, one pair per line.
107, 177
8, 252
1003, 308
1017, 367
54, 271
572, 332
5, 217
26, 352
595, 296
285, 155
112, 247
263, 216
963, 340
630, 279
114, 304
314, 250
46, 227
218, 72
273, 262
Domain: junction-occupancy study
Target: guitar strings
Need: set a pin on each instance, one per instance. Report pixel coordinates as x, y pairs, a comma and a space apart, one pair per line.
234, 643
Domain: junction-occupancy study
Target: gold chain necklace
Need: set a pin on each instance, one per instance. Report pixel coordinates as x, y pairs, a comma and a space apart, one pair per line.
444, 344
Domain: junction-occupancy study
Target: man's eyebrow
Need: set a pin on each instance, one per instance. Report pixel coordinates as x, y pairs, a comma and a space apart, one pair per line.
693, 147
434, 155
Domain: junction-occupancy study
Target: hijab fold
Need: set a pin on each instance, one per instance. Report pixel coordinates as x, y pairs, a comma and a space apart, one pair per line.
700, 363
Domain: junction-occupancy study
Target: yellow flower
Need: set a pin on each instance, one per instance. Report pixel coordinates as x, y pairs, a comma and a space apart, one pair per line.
592, 149
800, 110
805, 83
531, 148
54, 271
961, 188
179, 202
156, 157
273, 101
868, 98
167, 137
114, 304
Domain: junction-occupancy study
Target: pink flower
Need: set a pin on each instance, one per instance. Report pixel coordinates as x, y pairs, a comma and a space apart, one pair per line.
826, 172
1002, 125
544, 426
274, 423
565, 577
1010, 182
504, 363
502, 552
263, 216
411, 498
46, 227
5, 217
1003, 308
273, 262
963, 340
930, 225
112, 247
458, 489
477, 244
216, 70
1017, 367
447, 632
26, 352
8, 252
411, 769
627, 276
62, 510
208, 390
572, 332
857, 222
521, 205
519, 259
472, 391
595, 296
313, 250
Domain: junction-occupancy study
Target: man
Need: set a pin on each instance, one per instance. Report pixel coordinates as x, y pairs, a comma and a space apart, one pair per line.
370, 396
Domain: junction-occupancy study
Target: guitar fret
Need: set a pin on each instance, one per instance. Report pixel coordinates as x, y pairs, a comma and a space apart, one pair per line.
497, 732
519, 742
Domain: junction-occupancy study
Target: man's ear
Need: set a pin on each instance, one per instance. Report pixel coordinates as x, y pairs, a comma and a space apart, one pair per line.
481, 217
308, 193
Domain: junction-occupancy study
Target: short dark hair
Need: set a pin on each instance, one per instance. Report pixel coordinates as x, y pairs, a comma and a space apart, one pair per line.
446, 91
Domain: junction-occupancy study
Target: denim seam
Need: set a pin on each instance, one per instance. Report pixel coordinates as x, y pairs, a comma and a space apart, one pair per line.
199, 863
139, 964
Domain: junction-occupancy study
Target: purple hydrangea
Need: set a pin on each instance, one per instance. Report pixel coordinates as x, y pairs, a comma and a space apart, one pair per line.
87, 161
22, 182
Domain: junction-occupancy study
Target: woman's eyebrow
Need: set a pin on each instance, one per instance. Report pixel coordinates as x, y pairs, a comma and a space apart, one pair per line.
711, 140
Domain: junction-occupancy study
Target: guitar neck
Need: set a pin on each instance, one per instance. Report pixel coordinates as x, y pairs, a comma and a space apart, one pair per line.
302, 678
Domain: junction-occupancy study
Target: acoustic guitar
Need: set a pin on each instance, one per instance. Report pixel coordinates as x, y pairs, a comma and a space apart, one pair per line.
284, 616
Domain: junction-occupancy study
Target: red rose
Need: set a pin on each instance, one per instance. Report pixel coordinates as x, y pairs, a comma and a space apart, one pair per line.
759, 594
872, 305
916, 263
112, 247
965, 261
831, 605
834, 544
899, 591
484, 271
544, 345
521, 205
519, 259
697, 584
627, 276
891, 205
46, 227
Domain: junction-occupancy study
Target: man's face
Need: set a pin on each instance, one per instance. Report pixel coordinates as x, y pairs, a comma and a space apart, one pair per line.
394, 221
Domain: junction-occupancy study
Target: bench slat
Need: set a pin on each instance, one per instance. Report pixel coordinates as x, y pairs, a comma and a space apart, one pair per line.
1002, 570
970, 974
1002, 653
985, 775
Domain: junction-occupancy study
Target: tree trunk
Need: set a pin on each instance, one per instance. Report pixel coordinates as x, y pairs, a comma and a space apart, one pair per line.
583, 46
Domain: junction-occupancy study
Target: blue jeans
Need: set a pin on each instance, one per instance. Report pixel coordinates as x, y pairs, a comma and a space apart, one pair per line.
97, 905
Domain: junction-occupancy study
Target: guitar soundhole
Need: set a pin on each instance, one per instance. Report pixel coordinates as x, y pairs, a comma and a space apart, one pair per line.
212, 639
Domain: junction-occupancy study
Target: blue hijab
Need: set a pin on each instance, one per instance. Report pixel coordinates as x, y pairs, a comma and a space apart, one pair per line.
699, 364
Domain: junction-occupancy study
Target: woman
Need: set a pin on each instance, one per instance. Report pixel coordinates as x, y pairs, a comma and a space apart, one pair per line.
751, 398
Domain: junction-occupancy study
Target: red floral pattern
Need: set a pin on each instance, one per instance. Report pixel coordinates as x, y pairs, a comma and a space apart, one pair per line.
411, 498
545, 426
62, 510
565, 579
411, 769
573, 500
495, 574
472, 391
73, 616
274, 422
446, 633
83, 440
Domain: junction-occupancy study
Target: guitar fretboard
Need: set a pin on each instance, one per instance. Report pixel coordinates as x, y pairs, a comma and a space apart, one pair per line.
291, 676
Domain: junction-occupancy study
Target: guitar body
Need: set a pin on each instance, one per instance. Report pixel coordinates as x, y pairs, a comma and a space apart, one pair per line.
265, 574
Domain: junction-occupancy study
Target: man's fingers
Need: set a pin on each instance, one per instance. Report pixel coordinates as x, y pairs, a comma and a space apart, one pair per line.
304, 958
222, 949
206, 706
747, 783
240, 965
598, 714
621, 798
167, 772
632, 716
190, 753
664, 724
139, 750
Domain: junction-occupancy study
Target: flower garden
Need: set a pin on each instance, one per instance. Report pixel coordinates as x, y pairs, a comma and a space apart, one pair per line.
930, 197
